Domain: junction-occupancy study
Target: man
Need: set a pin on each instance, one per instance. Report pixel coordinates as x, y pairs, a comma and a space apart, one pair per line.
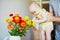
55, 6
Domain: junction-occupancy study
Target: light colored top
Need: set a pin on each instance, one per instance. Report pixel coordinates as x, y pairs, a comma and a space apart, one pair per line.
40, 21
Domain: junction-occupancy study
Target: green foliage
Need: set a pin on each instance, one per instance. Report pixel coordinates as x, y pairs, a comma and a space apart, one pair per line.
16, 32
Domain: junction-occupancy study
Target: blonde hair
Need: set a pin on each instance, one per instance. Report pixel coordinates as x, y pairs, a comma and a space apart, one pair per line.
34, 7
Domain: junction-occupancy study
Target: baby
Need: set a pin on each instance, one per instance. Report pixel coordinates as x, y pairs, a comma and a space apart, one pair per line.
40, 15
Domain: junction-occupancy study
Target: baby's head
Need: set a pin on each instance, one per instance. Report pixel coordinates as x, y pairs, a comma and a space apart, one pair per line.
34, 8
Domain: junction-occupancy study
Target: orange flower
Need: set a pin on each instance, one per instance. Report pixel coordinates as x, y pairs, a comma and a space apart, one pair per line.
16, 14
23, 24
20, 30
10, 27
17, 19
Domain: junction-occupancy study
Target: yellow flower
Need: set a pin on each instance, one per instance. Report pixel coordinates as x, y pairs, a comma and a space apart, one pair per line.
29, 22
9, 20
26, 18
34, 24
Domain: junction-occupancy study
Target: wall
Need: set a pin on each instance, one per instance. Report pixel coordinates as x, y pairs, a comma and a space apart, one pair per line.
12, 6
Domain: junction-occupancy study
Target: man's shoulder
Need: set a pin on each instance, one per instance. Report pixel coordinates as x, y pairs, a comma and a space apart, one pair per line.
53, 1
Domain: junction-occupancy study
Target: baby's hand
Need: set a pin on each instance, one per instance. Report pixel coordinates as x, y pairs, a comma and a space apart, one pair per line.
39, 16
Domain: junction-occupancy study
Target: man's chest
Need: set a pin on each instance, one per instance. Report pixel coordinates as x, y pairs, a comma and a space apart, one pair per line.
56, 8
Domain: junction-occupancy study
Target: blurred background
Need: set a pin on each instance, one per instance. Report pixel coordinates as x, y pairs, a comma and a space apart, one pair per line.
17, 6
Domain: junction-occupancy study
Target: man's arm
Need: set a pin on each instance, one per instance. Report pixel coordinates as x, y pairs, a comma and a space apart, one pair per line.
56, 19
52, 17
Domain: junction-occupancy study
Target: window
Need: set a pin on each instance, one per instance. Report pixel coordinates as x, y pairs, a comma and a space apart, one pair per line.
43, 3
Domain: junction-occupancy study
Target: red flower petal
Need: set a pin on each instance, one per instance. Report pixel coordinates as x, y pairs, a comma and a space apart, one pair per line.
23, 24
11, 14
16, 19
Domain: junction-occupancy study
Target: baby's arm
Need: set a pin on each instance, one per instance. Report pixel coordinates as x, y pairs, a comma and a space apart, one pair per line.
39, 21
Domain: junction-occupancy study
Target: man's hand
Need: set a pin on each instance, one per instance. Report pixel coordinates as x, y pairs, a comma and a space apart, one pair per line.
50, 17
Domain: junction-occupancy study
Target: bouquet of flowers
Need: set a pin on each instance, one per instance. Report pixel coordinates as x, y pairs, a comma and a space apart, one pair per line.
18, 26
